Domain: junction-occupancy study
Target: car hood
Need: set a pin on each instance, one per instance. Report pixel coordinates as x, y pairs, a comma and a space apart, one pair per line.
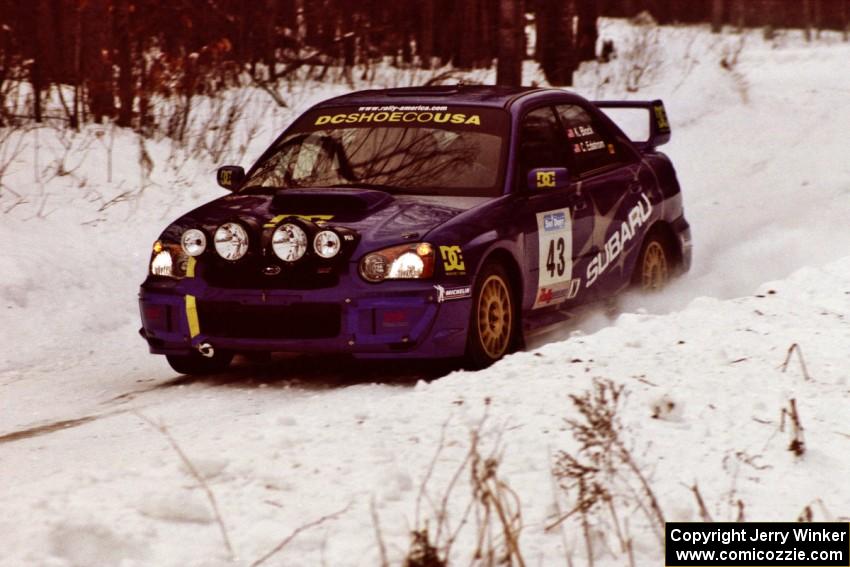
378, 217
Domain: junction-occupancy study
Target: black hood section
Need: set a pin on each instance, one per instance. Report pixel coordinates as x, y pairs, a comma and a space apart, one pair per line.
379, 218
329, 201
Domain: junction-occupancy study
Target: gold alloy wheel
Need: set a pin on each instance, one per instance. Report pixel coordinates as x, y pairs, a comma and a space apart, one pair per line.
655, 272
495, 316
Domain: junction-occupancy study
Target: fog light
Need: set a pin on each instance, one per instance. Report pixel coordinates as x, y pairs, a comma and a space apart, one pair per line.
374, 267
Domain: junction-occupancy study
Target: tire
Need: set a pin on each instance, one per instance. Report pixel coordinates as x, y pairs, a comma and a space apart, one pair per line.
493, 322
655, 265
196, 365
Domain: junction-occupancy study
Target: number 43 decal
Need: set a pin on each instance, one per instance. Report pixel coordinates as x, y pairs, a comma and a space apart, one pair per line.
554, 247
555, 283
555, 260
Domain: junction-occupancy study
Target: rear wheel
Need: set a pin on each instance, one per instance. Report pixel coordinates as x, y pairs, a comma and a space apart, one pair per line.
655, 264
195, 363
493, 324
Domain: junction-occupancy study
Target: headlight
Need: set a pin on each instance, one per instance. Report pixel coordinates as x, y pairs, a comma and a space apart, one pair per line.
161, 264
193, 242
408, 261
168, 260
231, 241
289, 242
326, 244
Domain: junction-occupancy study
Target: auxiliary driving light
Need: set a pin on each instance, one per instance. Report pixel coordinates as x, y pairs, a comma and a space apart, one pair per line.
231, 241
289, 242
193, 242
326, 243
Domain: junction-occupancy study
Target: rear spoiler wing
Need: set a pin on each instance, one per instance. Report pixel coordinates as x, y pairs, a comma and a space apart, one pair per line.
659, 126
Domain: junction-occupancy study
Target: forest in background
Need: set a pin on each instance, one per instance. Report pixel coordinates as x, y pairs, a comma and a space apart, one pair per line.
107, 59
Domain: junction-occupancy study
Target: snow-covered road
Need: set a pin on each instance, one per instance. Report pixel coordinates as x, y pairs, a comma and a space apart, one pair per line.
706, 394
761, 154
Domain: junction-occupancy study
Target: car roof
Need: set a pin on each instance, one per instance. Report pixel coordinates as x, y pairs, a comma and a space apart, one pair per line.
475, 95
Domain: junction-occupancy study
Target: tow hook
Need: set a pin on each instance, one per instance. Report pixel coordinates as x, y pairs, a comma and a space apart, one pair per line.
206, 350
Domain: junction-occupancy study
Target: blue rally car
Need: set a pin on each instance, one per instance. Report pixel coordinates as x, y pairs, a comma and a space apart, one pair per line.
419, 223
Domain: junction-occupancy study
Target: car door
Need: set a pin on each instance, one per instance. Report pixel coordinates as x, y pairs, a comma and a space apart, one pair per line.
611, 177
557, 221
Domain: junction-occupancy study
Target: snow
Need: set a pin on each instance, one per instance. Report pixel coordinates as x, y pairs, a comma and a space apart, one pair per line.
761, 157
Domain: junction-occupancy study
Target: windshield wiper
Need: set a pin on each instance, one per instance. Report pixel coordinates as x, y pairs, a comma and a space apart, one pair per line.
375, 186
257, 189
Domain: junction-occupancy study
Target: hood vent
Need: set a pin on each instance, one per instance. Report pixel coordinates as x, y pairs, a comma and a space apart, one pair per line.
328, 201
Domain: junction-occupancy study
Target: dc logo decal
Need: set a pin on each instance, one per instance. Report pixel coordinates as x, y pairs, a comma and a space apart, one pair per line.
545, 179
452, 258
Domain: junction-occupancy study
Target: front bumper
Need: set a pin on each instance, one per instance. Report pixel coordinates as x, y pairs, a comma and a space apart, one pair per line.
389, 320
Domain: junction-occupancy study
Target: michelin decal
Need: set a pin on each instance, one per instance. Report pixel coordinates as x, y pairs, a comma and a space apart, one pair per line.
447, 294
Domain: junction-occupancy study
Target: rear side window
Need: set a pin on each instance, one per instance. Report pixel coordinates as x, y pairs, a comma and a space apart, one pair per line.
591, 146
541, 142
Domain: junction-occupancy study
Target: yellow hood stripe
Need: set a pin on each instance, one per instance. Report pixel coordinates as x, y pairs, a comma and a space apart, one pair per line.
192, 316
314, 218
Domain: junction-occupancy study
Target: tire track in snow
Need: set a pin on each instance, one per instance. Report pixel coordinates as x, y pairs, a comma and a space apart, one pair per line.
54, 426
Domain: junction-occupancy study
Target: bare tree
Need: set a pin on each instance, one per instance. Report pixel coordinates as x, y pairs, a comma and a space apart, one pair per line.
716, 16
77, 66
845, 19
511, 44
739, 13
268, 30
468, 38
817, 16
425, 45
587, 33
97, 56
40, 56
124, 41
556, 45
807, 19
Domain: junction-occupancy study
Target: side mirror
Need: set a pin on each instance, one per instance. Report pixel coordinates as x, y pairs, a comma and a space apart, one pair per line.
230, 176
543, 178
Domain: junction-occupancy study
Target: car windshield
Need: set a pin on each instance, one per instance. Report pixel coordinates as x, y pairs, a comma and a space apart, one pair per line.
416, 150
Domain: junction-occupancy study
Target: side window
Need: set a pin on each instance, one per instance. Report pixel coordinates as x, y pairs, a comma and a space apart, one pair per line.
541, 144
592, 147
